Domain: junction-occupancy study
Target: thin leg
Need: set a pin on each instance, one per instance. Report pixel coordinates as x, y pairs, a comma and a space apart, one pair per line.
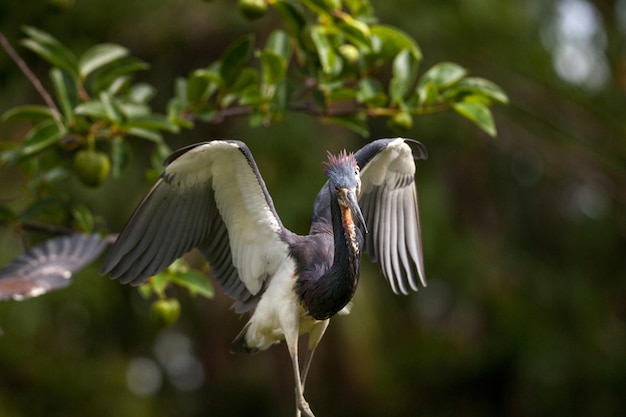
301, 404
314, 338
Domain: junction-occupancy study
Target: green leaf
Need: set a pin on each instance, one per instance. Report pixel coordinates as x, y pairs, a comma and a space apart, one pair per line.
356, 32
58, 173
389, 41
83, 217
118, 85
111, 109
331, 62
291, 14
251, 96
180, 93
142, 93
65, 92
247, 77
280, 43
159, 282
99, 56
50, 49
102, 78
32, 113
197, 88
479, 86
147, 134
444, 74
478, 113
145, 290
212, 73
177, 113
235, 57
92, 108
403, 70
371, 93
428, 93
40, 137
359, 8
196, 282
319, 7
152, 122
274, 67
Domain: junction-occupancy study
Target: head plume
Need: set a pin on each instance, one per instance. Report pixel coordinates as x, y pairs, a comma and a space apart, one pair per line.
341, 169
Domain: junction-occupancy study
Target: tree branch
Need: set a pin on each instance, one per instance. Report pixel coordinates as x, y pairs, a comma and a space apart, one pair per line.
33, 79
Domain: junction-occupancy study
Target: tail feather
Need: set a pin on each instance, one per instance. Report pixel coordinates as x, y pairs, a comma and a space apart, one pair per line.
240, 344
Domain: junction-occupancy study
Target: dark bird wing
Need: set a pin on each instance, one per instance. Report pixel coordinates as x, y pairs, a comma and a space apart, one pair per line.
389, 204
48, 266
210, 196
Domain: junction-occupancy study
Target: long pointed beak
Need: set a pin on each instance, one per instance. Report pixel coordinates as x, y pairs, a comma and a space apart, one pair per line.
353, 204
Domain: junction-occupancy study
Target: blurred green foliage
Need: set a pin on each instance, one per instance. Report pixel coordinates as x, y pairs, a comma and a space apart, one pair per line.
524, 234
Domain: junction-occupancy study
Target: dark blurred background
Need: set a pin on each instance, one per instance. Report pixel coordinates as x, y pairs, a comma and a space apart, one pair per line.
524, 234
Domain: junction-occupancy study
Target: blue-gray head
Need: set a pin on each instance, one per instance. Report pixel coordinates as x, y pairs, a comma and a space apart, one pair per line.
345, 185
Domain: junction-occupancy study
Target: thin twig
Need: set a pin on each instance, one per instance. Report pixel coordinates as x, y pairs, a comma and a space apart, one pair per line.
51, 229
234, 111
33, 79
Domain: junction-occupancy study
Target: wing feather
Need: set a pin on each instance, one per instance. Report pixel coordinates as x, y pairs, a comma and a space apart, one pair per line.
48, 266
210, 196
389, 204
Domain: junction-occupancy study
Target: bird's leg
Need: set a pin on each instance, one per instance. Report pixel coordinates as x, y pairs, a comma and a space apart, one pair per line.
314, 338
291, 338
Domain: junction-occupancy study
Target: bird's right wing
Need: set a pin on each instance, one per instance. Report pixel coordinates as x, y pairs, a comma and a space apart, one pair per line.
210, 196
389, 204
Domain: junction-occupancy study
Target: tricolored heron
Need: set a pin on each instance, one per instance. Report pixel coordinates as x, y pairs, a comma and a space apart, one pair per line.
211, 196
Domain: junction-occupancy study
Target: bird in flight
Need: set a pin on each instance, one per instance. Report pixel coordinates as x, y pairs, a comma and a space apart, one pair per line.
211, 196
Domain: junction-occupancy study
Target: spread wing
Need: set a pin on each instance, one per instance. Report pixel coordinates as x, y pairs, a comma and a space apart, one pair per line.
388, 201
48, 266
210, 196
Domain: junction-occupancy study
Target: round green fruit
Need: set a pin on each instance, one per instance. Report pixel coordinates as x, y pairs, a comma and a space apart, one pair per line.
350, 53
166, 311
92, 167
252, 9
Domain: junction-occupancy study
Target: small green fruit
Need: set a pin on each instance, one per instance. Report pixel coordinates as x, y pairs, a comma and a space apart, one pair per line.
252, 9
92, 167
166, 311
350, 53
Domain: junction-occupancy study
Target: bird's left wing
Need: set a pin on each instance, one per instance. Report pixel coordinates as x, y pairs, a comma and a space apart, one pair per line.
210, 196
48, 266
388, 201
